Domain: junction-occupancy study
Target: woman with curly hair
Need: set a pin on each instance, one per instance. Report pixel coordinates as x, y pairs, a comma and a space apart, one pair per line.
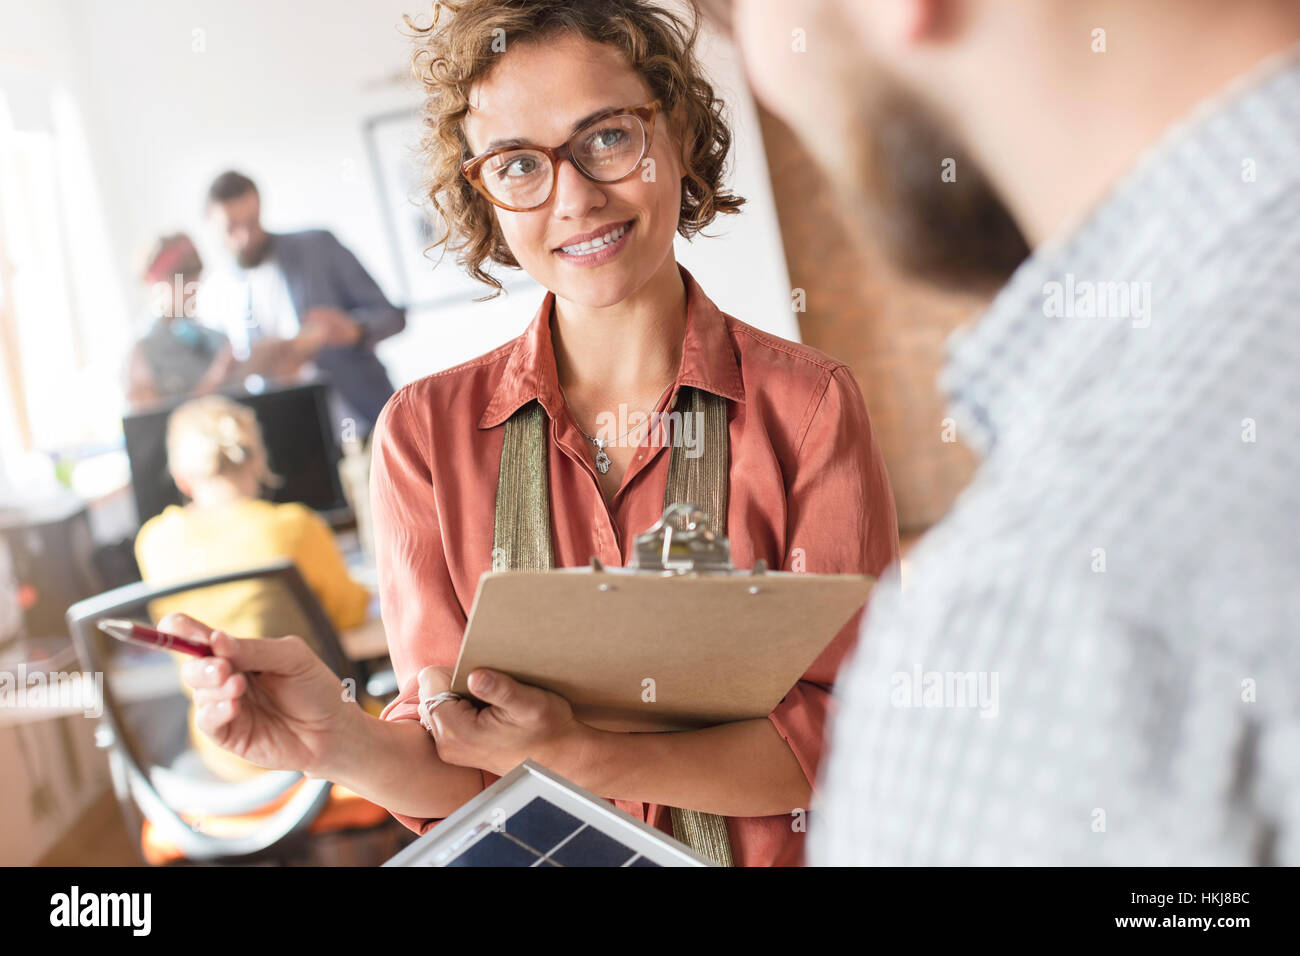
574, 139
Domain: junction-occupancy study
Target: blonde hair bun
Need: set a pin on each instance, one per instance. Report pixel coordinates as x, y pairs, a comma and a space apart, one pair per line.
216, 436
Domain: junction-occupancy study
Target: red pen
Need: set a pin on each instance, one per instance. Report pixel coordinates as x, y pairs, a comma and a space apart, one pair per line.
138, 634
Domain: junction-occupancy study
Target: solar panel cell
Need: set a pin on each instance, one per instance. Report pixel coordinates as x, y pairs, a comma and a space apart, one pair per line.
590, 847
541, 824
496, 849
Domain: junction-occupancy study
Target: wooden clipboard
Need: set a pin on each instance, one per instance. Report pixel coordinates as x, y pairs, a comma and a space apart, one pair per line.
652, 650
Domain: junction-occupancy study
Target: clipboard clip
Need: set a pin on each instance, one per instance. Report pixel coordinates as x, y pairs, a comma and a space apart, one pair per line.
680, 542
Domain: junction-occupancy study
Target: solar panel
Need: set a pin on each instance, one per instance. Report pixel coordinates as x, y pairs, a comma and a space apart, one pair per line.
534, 817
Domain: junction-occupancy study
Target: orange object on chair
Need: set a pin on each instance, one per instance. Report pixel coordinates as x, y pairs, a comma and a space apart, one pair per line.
343, 811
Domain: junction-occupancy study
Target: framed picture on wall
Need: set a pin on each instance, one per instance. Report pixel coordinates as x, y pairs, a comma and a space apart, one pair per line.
427, 278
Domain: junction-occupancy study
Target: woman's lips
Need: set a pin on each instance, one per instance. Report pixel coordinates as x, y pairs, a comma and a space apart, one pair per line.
596, 255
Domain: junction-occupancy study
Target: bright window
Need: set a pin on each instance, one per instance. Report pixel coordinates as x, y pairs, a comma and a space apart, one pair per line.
63, 330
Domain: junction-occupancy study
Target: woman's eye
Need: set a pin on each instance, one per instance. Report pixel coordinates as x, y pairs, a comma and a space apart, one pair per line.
607, 138
519, 166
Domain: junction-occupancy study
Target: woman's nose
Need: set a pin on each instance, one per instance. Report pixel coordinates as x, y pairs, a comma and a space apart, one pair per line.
575, 194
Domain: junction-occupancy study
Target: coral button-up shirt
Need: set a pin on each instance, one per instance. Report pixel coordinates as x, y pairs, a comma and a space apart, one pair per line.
808, 492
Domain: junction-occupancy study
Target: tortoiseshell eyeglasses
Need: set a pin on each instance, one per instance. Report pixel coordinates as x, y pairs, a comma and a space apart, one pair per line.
605, 149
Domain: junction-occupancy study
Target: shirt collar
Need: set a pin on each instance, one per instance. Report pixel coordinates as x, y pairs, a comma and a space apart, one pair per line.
708, 359
1181, 200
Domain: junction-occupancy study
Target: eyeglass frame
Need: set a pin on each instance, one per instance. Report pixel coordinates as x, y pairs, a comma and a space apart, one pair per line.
472, 168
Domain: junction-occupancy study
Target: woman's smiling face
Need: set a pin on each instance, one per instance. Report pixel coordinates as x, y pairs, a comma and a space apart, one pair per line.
538, 93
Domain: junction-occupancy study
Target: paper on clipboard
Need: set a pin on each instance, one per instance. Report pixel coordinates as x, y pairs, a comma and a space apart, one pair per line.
637, 651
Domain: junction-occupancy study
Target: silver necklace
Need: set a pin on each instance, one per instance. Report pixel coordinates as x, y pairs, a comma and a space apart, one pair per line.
602, 459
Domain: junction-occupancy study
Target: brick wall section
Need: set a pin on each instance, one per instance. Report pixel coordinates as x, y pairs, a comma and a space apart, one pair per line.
889, 331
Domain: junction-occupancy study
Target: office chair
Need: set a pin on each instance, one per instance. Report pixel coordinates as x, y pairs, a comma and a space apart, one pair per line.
189, 813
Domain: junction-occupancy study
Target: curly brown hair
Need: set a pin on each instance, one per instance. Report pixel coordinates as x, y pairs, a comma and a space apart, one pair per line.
452, 55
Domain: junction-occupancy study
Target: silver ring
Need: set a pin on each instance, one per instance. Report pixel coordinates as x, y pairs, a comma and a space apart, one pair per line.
432, 703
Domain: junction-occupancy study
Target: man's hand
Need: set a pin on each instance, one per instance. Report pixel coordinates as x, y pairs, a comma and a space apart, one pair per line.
520, 722
275, 359
327, 327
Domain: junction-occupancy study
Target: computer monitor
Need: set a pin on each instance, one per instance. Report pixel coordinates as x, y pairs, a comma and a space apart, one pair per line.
300, 444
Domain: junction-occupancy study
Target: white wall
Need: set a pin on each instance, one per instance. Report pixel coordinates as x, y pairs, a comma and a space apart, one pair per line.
179, 91
279, 90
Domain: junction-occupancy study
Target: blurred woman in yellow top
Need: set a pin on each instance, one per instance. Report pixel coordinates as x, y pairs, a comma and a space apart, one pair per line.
217, 458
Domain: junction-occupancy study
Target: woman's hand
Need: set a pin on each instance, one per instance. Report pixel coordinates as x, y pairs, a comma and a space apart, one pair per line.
433, 681
271, 701
520, 722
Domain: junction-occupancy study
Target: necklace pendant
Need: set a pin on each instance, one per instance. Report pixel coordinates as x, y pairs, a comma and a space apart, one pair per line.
602, 461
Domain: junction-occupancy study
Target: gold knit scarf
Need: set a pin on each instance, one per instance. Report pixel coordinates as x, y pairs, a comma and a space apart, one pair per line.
522, 533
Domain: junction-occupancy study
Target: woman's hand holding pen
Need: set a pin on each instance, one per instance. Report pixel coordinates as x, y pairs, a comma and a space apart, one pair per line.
520, 722
274, 703
271, 701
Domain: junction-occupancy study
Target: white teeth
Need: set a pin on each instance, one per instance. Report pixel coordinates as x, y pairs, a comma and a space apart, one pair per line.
595, 245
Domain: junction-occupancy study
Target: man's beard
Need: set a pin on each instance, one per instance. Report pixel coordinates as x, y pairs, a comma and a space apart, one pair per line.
888, 168
254, 254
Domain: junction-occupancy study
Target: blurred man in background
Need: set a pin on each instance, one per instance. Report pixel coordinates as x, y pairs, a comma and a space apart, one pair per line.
1095, 656
301, 299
